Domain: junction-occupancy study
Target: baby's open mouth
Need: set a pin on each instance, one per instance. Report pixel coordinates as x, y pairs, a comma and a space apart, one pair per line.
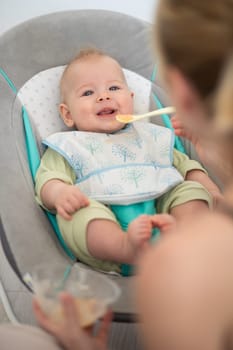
107, 111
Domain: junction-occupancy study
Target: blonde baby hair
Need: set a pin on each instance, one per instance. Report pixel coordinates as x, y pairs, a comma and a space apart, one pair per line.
85, 53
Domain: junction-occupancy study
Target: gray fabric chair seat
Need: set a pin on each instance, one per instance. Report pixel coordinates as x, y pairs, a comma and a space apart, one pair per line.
31, 47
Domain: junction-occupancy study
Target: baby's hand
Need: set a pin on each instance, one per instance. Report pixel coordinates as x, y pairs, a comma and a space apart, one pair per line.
180, 129
69, 200
183, 131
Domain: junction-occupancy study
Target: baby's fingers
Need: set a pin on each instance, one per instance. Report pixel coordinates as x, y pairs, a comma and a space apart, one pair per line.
79, 200
64, 213
179, 132
176, 123
84, 201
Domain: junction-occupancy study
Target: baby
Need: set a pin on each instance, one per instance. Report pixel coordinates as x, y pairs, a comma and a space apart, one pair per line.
104, 178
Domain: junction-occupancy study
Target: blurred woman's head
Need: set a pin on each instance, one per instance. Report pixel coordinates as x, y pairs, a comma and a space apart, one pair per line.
224, 100
194, 40
195, 36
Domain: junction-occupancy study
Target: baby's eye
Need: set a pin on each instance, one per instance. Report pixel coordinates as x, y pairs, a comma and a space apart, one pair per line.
114, 88
88, 93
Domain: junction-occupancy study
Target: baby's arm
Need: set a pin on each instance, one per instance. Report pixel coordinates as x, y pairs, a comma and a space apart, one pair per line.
55, 187
182, 130
65, 198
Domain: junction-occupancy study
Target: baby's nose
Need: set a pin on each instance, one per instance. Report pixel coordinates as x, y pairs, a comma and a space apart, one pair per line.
103, 97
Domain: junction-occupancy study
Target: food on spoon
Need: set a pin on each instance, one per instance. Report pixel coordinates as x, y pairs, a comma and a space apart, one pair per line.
124, 118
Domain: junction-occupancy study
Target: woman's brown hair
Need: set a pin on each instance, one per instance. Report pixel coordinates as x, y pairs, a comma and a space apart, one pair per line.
195, 36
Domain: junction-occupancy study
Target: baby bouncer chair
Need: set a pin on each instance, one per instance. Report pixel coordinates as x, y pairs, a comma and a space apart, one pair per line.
33, 55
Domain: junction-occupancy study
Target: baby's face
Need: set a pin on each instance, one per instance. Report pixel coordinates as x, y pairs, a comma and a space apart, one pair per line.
96, 93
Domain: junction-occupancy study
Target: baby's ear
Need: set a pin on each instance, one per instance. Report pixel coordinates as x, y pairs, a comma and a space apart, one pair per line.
66, 116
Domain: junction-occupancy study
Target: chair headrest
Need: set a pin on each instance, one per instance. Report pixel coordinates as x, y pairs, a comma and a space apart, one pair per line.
40, 96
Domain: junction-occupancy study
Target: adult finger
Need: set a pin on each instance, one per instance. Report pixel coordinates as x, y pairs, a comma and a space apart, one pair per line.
105, 326
43, 319
70, 310
163, 221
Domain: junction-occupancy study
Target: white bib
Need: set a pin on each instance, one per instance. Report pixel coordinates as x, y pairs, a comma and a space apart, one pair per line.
129, 166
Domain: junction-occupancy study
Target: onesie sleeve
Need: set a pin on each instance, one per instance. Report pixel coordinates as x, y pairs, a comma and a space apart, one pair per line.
52, 166
184, 164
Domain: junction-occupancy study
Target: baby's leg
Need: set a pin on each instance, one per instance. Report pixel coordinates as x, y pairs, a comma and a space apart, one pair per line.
189, 209
187, 199
107, 241
96, 238
74, 233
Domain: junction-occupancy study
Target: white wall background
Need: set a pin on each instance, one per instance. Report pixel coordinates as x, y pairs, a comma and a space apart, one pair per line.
13, 12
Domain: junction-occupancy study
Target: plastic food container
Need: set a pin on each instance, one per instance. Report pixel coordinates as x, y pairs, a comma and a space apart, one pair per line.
93, 291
